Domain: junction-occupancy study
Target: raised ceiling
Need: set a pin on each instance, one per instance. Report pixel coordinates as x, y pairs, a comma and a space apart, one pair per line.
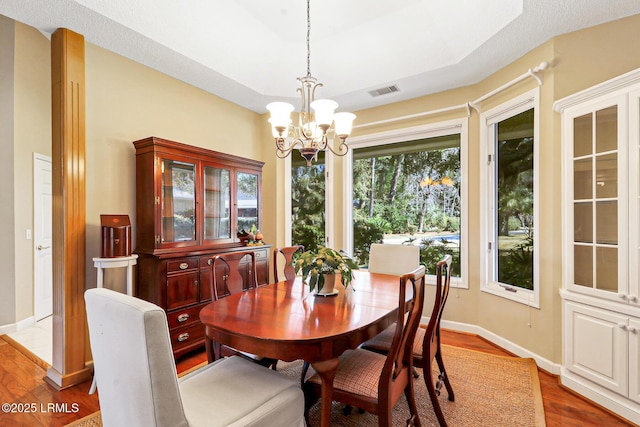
251, 51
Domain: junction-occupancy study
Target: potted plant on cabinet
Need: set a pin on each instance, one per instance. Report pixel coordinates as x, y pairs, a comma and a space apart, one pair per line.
319, 269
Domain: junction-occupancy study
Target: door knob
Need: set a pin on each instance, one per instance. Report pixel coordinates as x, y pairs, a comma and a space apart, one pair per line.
41, 248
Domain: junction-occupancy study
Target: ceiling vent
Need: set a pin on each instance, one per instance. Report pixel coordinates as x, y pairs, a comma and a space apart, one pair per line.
384, 91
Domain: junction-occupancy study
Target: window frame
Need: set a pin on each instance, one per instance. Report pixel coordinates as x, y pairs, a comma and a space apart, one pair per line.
488, 193
459, 126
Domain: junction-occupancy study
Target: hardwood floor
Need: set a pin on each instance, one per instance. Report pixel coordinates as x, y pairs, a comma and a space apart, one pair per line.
22, 386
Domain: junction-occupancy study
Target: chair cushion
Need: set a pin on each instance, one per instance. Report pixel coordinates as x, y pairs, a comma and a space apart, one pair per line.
358, 373
382, 341
236, 392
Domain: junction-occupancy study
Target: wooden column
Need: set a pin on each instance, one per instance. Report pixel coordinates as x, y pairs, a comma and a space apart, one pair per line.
69, 210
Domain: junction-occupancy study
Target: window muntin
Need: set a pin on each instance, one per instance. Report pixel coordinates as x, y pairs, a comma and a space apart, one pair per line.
596, 200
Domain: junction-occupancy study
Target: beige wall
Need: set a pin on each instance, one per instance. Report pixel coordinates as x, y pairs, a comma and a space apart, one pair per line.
128, 101
26, 129
7, 220
32, 135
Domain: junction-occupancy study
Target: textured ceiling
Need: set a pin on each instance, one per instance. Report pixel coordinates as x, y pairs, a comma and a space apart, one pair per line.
251, 51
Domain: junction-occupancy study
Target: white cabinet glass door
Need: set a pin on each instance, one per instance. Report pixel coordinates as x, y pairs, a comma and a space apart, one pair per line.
599, 203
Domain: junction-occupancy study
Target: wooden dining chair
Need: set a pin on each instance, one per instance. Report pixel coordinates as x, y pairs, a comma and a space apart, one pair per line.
233, 279
372, 381
283, 262
231, 276
426, 344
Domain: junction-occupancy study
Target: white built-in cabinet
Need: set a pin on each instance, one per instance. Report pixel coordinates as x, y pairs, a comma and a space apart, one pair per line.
601, 239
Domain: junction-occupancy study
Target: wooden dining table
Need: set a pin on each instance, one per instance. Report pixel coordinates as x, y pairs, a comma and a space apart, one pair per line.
286, 321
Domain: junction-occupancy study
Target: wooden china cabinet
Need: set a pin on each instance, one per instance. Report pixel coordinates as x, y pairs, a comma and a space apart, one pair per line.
190, 204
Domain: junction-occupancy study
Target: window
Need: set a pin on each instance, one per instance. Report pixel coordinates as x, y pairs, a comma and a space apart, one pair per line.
509, 197
308, 202
408, 187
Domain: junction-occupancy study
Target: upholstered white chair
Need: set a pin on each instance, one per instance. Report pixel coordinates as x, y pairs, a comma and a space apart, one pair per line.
393, 259
138, 385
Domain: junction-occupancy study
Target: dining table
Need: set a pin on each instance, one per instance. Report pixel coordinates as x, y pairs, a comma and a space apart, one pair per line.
287, 321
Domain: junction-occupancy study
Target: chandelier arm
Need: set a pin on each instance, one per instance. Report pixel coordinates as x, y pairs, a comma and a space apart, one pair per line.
343, 148
282, 151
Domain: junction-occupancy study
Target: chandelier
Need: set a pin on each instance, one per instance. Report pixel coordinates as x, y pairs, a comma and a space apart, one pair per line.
313, 132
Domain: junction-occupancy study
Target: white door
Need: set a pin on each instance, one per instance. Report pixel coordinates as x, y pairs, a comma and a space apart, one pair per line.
42, 237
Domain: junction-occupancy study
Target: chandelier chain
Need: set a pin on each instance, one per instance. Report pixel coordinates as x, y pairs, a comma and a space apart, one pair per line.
308, 33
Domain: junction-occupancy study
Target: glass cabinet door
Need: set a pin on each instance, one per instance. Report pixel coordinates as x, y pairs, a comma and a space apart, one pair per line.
596, 199
217, 200
247, 201
178, 201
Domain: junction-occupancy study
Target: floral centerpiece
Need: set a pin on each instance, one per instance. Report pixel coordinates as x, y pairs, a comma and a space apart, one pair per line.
320, 267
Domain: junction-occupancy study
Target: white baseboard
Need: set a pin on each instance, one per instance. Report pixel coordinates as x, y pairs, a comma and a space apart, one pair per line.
543, 363
15, 327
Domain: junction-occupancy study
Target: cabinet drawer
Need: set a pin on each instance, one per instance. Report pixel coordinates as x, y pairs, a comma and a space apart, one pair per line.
261, 254
184, 317
206, 261
181, 264
184, 337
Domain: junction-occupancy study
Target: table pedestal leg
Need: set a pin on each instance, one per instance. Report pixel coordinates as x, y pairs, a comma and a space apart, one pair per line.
327, 370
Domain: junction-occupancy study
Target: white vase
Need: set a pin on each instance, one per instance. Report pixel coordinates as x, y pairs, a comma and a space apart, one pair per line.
329, 285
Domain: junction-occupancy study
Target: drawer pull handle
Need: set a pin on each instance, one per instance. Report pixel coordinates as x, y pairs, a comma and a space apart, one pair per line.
183, 317
183, 337
210, 261
184, 266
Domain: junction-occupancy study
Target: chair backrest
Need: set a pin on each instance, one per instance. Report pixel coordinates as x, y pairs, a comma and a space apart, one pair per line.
283, 268
133, 362
228, 275
393, 259
401, 350
431, 341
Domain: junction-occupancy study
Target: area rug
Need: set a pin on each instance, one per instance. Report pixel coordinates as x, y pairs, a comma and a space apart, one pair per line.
489, 390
